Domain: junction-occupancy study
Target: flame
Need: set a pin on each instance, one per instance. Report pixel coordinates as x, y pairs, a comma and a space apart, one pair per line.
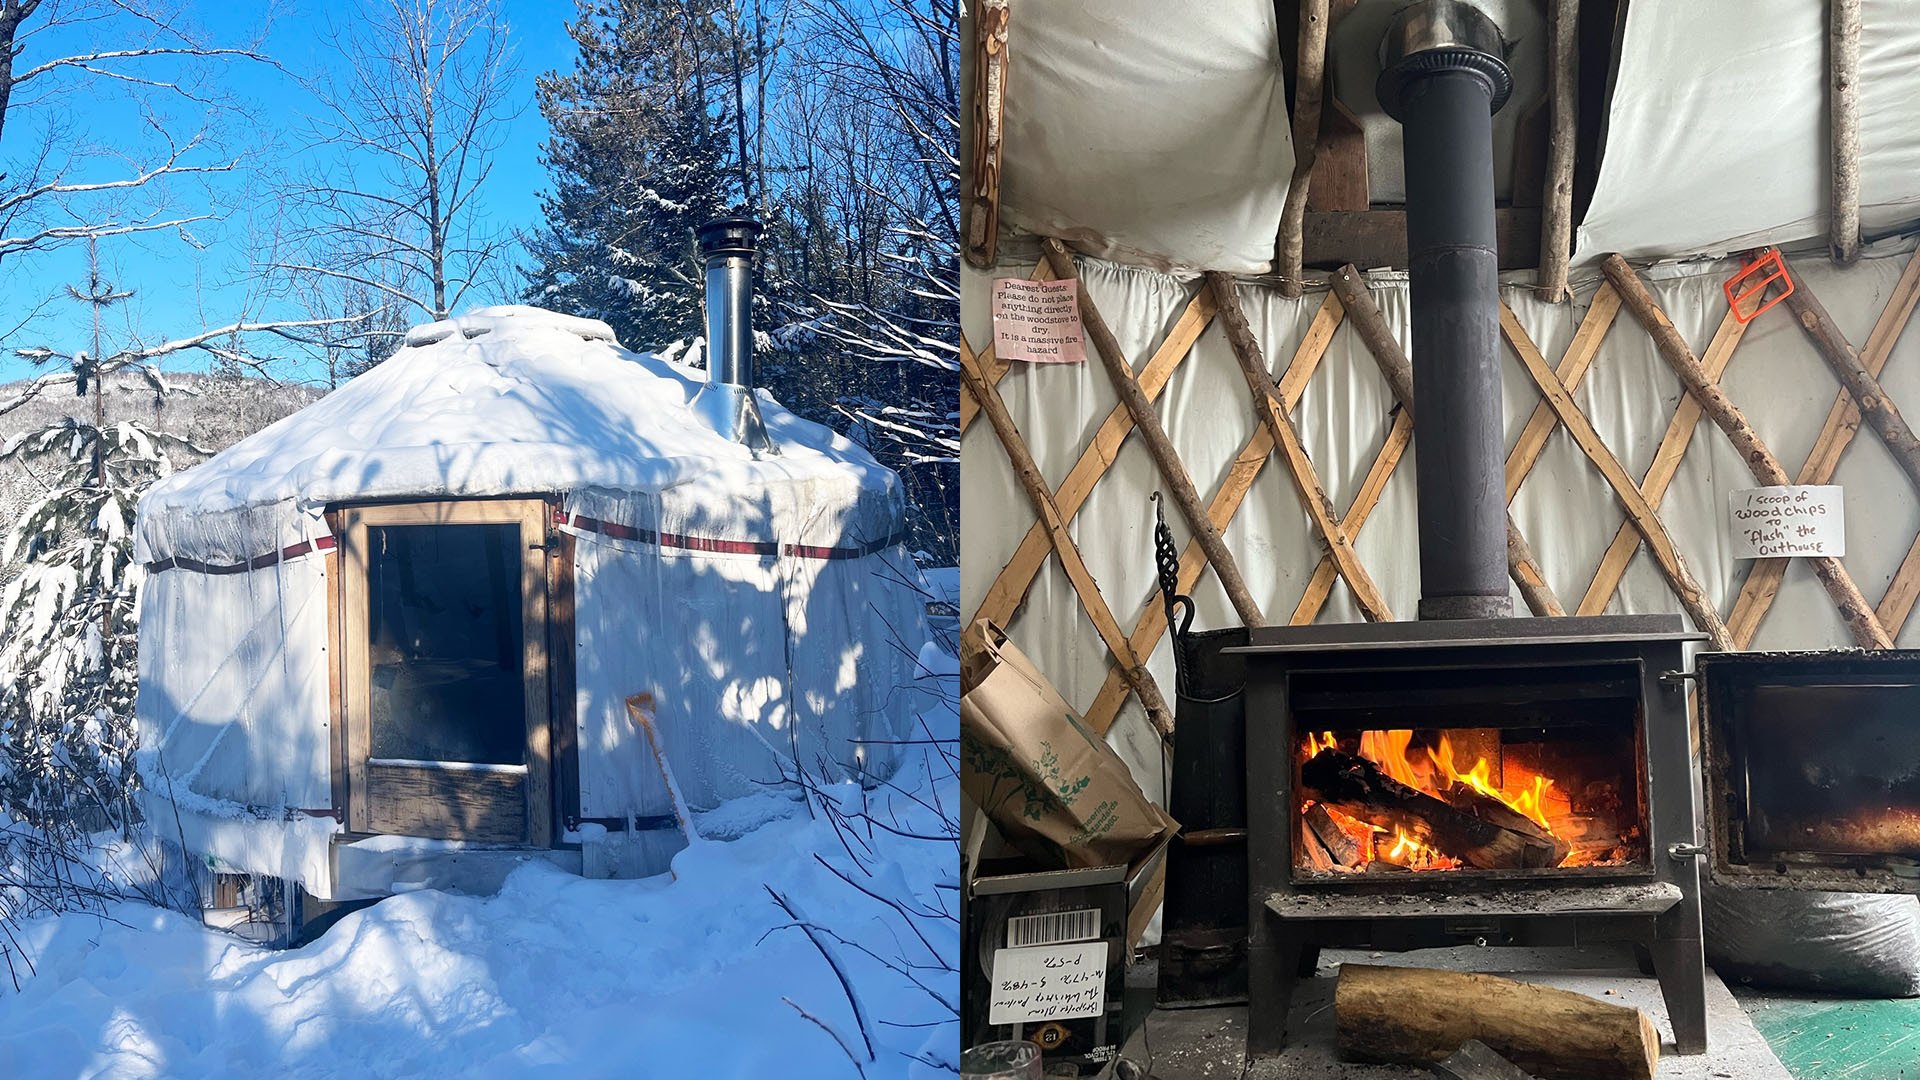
1388, 749
1525, 801
1411, 853
1317, 743
1431, 769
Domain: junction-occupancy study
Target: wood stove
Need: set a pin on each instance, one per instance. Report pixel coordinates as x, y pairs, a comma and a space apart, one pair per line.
1535, 782
1498, 781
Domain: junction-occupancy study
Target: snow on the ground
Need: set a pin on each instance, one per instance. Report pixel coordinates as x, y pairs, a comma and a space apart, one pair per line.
556, 976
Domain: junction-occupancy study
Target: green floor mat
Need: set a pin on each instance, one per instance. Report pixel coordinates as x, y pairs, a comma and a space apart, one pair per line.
1826, 1038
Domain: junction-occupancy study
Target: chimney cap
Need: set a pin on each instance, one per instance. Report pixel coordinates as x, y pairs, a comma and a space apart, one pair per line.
729, 236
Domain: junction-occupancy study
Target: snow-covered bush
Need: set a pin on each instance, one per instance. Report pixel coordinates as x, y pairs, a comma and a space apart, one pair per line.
67, 649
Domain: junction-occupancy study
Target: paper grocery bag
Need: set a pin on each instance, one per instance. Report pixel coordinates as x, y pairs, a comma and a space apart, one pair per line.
1052, 786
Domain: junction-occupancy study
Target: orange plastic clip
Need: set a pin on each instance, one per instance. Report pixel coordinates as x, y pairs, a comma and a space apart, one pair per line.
1739, 289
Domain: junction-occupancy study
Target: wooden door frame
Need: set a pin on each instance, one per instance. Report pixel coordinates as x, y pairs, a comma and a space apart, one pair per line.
533, 516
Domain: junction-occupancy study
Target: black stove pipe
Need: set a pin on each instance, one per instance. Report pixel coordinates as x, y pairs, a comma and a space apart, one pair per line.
1443, 78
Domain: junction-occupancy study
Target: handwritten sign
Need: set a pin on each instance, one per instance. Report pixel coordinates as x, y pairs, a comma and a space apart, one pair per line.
1777, 522
1048, 982
1038, 321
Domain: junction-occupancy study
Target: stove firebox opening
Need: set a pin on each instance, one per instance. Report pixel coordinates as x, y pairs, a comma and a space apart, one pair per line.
1816, 767
1499, 772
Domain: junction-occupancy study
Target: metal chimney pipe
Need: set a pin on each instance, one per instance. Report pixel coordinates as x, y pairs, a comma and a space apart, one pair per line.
727, 248
1443, 77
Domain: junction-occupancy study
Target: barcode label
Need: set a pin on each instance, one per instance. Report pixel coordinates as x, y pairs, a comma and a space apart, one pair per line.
1053, 928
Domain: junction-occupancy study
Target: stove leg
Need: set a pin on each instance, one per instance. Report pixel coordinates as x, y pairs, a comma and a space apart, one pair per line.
1272, 969
1309, 962
1643, 958
1681, 964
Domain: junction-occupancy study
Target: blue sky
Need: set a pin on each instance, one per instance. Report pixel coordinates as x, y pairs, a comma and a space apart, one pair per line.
182, 285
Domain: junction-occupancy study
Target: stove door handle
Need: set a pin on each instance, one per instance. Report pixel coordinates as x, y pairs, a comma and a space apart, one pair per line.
1685, 850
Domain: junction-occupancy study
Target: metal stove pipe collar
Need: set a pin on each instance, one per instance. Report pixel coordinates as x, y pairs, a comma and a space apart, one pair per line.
1441, 35
727, 248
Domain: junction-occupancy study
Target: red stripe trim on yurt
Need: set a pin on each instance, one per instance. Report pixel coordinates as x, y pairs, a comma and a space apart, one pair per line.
763, 549
304, 547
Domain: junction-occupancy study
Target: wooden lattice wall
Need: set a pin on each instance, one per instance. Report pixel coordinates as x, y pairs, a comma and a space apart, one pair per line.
1870, 623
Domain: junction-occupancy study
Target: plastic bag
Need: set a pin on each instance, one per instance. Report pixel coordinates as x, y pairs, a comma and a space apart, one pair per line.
1862, 944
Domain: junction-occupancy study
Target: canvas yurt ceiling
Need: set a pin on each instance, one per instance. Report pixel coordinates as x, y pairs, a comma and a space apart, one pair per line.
1158, 133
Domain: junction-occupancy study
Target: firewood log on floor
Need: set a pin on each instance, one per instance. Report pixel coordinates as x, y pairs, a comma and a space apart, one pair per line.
1419, 1016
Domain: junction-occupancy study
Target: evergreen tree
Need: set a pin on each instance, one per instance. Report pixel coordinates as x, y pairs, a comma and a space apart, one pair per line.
642, 152
67, 655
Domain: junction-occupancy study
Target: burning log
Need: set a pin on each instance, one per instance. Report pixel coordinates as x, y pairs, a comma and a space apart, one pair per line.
1341, 849
1477, 828
1420, 1016
1490, 809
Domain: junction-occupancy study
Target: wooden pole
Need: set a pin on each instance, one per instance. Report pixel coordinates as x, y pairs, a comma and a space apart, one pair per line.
1861, 621
1227, 499
1308, 93
1556, 217
1659, 476
1573, 367
1371, 325
1875, 406
1159, 446
1372, 486
1843, 104
989, 116
1269, 410
1078, 575
992, 366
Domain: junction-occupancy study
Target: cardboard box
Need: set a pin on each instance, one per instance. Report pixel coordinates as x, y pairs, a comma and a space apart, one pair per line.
1015, 908
1051, 785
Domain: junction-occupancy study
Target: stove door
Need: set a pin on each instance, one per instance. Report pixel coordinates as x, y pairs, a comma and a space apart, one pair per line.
1812, 769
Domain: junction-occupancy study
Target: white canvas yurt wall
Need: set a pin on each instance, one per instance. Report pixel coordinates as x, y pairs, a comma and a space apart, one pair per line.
1158, 134
765, 604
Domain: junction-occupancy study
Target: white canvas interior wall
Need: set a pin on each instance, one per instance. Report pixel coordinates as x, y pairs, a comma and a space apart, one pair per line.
1565, 508
1158, 134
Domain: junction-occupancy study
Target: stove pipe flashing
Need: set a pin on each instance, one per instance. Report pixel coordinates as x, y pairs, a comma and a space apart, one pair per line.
727, 247
1443, 77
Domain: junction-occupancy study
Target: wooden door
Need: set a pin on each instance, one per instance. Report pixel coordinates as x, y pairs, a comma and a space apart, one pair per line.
443, 633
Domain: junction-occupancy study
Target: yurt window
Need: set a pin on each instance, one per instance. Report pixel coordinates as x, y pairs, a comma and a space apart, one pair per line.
443, 623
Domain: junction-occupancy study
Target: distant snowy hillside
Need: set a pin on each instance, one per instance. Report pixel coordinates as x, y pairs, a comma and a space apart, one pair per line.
214, 413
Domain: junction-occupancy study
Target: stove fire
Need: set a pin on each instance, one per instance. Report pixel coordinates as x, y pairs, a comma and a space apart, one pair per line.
1385, 801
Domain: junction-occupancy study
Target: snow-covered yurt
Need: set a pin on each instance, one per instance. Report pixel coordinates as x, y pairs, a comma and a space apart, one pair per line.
440, 618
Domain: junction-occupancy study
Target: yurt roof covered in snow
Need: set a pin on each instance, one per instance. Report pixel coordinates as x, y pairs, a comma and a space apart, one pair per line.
519, 401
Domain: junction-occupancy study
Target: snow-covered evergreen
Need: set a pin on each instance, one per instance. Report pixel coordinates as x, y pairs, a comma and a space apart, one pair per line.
67, 653
834, 126
639, 158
